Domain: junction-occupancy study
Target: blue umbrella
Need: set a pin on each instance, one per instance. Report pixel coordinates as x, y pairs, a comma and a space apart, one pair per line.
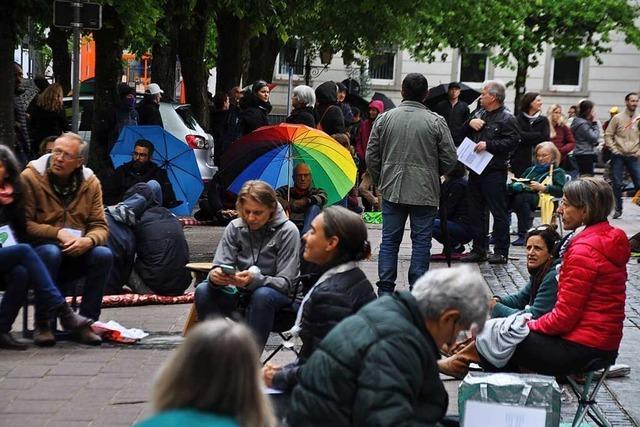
170, 154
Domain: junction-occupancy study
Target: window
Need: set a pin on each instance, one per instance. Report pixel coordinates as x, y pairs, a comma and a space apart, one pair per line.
381, 66
298, 65
473, 67
566, 72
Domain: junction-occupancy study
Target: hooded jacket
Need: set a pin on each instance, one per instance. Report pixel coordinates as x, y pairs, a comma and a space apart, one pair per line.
253, 113
274, 249
591, 290
46, 214
362, 139
329, 116
586, 135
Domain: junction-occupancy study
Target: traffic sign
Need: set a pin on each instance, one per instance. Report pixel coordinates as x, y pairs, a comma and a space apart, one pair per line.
90, 15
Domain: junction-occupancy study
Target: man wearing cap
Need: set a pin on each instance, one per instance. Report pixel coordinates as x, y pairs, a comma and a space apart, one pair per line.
622, 139
149, 107
455, 112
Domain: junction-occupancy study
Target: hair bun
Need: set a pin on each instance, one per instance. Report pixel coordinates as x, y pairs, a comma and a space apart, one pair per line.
364, 252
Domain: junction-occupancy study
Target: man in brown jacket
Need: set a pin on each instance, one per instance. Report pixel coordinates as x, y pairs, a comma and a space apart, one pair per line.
622, 138
65, 217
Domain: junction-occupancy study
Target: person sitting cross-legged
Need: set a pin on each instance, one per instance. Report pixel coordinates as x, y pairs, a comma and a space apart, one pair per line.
525, 196
303, 201
65, 216
256, 264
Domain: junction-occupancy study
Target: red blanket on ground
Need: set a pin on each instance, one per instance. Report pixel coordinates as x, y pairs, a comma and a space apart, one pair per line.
130, 300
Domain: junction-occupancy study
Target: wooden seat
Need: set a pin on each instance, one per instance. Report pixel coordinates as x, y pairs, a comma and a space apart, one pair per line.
199, 271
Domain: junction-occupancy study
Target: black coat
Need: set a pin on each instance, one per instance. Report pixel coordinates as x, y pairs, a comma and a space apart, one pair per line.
253, 113
454, 193
44, 123
333, 300
149, 112
303, 116
501, 134
532, 133
456, 118
127, 175
376, 368
329, 117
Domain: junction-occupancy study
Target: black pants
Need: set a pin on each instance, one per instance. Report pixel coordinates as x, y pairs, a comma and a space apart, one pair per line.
488, 193
551, 355
585, 163
523, 204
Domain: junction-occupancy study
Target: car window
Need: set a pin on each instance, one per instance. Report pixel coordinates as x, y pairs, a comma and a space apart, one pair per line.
187, 117
86, 113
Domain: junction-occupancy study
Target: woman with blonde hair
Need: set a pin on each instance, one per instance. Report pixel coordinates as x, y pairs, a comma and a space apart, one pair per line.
47, 117
212, 379
543, 177
256, 264
561, 135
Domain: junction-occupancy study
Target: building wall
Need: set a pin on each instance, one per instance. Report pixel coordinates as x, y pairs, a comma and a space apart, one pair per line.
606, 84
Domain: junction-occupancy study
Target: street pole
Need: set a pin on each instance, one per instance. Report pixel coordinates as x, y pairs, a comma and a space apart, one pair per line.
289, 89
75, 79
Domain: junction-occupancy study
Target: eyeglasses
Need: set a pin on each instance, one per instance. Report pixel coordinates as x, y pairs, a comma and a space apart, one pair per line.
64, 155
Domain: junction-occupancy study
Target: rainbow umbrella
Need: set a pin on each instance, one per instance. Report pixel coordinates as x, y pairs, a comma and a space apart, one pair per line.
270, 153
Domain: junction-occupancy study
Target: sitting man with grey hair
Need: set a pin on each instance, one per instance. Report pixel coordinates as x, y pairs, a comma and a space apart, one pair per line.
378, 367
303, 101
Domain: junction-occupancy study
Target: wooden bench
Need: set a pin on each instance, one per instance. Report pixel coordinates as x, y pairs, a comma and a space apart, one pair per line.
199, 271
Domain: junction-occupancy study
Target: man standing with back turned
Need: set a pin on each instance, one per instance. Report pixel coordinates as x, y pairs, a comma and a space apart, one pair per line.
409, 149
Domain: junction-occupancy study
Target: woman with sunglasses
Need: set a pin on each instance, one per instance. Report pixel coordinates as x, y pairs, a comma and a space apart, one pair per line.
537, 297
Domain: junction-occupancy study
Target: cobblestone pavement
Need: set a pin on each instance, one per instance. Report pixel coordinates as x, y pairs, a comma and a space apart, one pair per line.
75, 385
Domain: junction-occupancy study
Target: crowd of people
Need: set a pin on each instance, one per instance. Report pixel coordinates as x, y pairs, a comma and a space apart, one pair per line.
363, 360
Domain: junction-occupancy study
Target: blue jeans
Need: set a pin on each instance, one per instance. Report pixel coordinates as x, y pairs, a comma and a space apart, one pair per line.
618, 163
94, 266
312, 212
394, 217
459, 233
156, 189
22, 268
211, 301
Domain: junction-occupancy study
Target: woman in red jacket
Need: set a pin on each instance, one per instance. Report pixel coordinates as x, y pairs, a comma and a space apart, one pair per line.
586, 322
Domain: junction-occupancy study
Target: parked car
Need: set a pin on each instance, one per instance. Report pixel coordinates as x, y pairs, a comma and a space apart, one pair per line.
177, 119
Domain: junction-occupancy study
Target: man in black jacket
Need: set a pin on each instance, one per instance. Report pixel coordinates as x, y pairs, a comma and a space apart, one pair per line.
379, 366
494, 129
455, 112
139, 169
149, 107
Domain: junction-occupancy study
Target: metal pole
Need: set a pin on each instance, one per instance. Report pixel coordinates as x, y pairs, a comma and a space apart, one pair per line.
289, 89
75, 78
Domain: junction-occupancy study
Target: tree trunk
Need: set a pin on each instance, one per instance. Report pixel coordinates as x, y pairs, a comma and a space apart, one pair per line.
109, 43
191, 44
7, 44
163, 64
521, 81
263, 52
231, 42
58, 41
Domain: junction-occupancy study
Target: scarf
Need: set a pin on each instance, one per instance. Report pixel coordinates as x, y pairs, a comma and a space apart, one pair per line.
66, 192
537, 274
6, 194
532, 118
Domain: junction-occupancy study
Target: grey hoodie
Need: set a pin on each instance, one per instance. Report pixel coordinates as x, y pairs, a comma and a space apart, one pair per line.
274, 249
586, 135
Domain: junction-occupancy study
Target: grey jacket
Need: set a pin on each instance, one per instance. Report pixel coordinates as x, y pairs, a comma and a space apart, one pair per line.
274, 249
409, 149
586, 135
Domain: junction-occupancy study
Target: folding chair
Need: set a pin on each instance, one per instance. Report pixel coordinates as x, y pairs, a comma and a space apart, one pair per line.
586, 394
30, 300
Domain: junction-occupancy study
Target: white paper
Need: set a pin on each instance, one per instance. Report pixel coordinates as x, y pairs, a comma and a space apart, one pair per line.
269, 390
74, 232
6, 237
474, 161
483, 414
132, 333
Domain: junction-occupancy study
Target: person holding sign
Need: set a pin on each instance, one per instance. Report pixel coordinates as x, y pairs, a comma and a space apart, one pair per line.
493, 129
20, 266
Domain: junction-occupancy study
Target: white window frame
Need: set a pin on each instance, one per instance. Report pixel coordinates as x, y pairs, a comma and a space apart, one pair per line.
279, 76
475, 85
384, 82
566, 88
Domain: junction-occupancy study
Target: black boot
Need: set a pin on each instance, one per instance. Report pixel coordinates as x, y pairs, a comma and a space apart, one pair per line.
69, 319
8, 342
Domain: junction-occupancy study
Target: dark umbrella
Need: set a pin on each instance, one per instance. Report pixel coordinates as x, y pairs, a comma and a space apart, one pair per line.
388, 103
360, 102
439, 93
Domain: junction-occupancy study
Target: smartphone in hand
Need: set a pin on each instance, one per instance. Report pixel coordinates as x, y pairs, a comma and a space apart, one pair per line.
229, 270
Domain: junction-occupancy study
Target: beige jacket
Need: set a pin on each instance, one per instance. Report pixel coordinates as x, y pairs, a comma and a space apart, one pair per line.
621, 136
46, 214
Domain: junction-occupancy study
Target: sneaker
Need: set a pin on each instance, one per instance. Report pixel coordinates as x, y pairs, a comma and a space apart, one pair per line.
497, 259
617, 214
473, 257
519, 241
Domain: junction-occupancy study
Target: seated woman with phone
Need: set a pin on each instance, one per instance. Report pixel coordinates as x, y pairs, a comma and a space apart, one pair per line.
525, 191
256, 263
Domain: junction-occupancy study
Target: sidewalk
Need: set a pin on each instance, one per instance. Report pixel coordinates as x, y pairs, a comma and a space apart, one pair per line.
75, 385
